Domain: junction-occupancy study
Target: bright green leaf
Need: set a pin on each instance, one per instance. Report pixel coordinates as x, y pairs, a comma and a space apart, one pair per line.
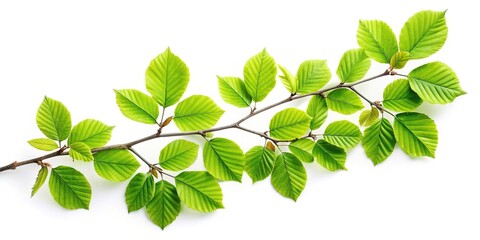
91, 132
343, 134
137, 106
312, 75
115, 164
379, 141
399, 60
233, 91
368, 117
44, 144
224, 159
344, 101
259, 163
378, 40
41, 177
398, 96
165, 206
178, 155
199, 191
353, 66
259, 74
288, 80
329, 156
53, 119
70, 188
140, 191
302, 149
317, 109
416, 134
80, 151
289, 176
197, 112
289, 124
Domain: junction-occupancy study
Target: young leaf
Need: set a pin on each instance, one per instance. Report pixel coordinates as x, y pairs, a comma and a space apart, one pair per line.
317, 109
289, 176
70, 188
288, 80
344, 101
424, 34
44, 144
137, 106
197, 112
399, 60
165, 205
41, 177
53, 119
199, 191
368, 117
329, 156
167, 78
140, 191
354, 64
80, 151
289, 124
379, 141
259, 73
416, 134
435, 83
342, 134
224, 159
115, 164
378, 40
312, 75
398, 96
233, 91
178, 155
91, 132
259, 163
302, 149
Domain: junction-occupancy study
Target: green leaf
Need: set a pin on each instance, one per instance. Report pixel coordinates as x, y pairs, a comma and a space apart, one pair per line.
137, 106
312, 75
41, 177
344, 101
259, 163
178, 155
54, 120
140, 191
289, 124
44, 144
378, 40
289, 176
416, 134
379, 141
199, 191
115, 164
259, 73
424, 34
399, 60
353, 66
435, 83
165, 206
197, 112
398, 96
342, 134
224, 159
80, 151
233, 91
91, 132
70, 188
167, 78
288, 80
302, 149
368, 117
317, 109
330, 156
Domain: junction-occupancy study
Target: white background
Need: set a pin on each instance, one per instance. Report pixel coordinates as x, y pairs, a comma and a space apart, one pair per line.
77, 52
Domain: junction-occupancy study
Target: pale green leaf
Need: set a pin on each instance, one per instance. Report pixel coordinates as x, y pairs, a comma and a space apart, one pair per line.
318, 110
259, 74
344, 101
288, 80
353, 65
70, 188
368, 117
343, 134
199, 191
137, 106
197, 112
379, 141
399, 60
115, 164
398, 96
329, 156
140, 191
312, 75
165, 206
44, 144
416, 134
224, 159
80, 151
91, 132
41, 177
302, 149
289, 124
178, 155
378, 40
259, 163
53, 119
233, 91
289, 176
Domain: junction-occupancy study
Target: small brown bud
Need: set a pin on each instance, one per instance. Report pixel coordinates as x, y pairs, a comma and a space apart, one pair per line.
167, 121
270, 146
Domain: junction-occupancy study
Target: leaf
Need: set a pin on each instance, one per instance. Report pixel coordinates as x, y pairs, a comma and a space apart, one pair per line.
140, 191
368, 117
41, 177
288, 80
259, 74
91, 132
289, 124
80, 151
342, 134
178, 155
378, 40
44, 144
53, 119
399, 60
344, 101
302, 149
165, 206
329, 156
379, 141
224, 159
199, 191
317, 109
312, 75
416, 134
70, 188
435, 83
197, 112
353, 66
115, 164
289, 176
259, 163
137, 106
167, 78
398, 96
233, 91
424, 34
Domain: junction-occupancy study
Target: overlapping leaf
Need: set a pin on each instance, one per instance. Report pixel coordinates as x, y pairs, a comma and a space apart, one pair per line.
302, 149
137, 106
368, 117
379, 141
199, 191
233, 91
289, 124
91, 132
53, 119
329, 156
178, 155
140, 191
259, 162
69, 188
165, 206
288, 80
318, 110
224, 159
45, 144
259, 74
354, 64
398, 96
344, 101
115, 164
399, 60
416, 134
80, 151
312, 75
378, 40
342, 134
197, 112
289, 176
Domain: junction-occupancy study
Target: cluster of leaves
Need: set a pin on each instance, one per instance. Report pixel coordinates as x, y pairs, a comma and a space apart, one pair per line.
167, 78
